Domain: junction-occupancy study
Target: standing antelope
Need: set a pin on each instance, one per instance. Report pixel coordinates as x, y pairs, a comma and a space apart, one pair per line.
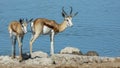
45, 26
17, 29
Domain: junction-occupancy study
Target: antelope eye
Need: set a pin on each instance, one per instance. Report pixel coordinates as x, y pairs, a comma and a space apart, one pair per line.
67, 20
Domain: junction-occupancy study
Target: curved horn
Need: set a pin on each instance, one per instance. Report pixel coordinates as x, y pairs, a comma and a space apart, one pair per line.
71, 11
64, 11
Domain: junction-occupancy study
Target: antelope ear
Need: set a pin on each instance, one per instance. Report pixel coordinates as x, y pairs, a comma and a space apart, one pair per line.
31, 20
20, 21
74, 14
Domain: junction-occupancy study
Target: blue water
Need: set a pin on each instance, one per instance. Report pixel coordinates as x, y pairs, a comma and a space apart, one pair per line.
96, 27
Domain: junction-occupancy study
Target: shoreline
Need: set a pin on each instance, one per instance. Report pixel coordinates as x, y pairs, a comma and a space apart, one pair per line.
68, 57
61, 61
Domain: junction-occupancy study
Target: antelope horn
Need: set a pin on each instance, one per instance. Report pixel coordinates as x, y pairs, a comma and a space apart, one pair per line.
71, 11
64, 11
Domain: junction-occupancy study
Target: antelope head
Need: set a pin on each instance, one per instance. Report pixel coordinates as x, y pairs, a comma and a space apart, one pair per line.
68, 18
24, 24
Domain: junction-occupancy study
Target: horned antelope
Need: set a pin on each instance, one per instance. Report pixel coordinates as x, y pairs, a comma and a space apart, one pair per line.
45, 26
17, 29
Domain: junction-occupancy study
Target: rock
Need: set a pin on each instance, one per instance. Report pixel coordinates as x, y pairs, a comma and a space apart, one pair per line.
92, 53
69, 59
71, 50
39, 61
39, 58
56, 59
46, 61
39, 54
7, 60
26, 56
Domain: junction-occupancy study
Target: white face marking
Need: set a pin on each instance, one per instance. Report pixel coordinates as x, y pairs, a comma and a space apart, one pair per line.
46, 30
24, 27
69, 21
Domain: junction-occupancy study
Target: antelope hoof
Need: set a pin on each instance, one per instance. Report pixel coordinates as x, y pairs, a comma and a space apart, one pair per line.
13, 57
30, 56
51, 54
20, 58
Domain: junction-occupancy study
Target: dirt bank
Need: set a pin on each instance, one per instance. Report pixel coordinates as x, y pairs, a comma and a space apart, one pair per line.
42, 60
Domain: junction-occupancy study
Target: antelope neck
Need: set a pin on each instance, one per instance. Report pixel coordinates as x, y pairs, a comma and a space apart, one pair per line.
62, 26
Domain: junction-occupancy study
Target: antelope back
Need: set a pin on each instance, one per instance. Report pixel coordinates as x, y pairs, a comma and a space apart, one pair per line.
15, 28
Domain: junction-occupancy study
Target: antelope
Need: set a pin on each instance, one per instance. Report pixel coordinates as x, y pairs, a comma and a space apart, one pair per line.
17, 29
43, 26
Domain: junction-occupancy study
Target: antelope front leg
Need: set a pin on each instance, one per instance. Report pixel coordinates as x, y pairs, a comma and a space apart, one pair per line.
34, 37
20, 47
52, 42
31, 43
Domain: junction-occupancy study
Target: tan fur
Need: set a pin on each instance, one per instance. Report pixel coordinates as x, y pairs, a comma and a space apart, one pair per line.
46, 26
62, 26
38, 26
50, 23
16, 28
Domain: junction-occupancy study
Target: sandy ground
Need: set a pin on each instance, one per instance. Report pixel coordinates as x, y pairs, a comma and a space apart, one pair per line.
93, 65
41, 59
23, 64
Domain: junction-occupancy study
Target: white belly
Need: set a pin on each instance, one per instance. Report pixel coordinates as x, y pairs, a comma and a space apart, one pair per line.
46, 30
12, 33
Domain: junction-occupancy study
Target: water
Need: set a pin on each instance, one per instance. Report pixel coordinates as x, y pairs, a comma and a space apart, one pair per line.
96, 27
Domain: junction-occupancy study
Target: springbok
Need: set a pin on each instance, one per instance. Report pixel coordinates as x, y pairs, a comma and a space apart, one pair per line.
50, 27
17, 29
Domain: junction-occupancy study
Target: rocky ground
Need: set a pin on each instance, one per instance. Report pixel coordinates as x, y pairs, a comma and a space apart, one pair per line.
42, 60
